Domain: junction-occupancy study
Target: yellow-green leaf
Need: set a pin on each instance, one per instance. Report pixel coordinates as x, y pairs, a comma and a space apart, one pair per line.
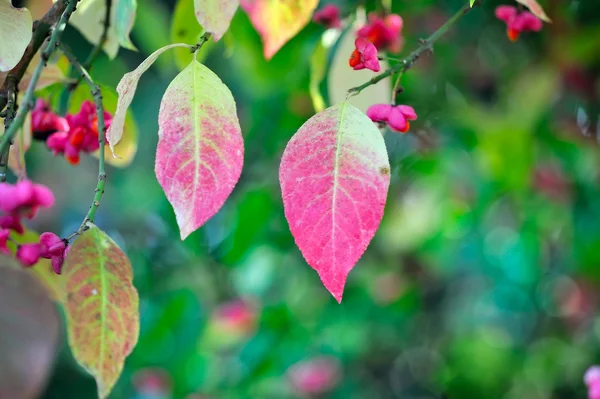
89, 20
215, 15
278, 21
124, 18
101, 305
535, 8
15, 33
471, 2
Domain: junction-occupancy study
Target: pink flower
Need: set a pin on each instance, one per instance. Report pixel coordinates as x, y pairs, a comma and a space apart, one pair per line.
396, 117
364, 56
517, 22
592, 380
24, 198
12, 222
44, 121
29, 254
328, 16
4, 233
81, 134
315, 376
384, 33
53, 248
236, 316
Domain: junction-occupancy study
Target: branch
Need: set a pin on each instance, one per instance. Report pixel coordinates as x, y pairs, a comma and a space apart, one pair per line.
41, 29
409, 61
11, 110
66, 93
97, 94
27, 104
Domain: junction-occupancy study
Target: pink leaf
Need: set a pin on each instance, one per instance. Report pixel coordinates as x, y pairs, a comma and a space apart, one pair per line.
334, 178
200, 147
215, 15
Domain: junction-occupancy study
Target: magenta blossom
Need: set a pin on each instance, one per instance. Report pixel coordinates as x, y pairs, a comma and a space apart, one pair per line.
396, 117
517, 22
4, 233
81, 135
12, 222
44, 121
29, 254
592, 381
329, 16
315, 376
53, 248
24, 198
385, 33
364, 56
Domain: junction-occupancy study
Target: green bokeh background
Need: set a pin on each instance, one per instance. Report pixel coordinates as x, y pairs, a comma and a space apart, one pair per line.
483, 279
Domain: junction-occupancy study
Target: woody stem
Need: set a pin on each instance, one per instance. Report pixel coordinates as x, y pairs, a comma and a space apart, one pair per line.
412, 58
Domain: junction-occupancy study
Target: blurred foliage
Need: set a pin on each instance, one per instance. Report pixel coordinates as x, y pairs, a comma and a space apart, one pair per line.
483, 279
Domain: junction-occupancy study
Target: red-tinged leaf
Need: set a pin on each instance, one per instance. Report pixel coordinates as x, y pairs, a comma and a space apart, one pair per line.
200, 146
278, 21
126, 89
29, 327
101, 306
536, 9
215, 15
334, 178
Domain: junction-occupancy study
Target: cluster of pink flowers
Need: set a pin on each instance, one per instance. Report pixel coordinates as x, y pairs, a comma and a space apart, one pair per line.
517, 22
23, 200
70, 135
396, 116
592, 381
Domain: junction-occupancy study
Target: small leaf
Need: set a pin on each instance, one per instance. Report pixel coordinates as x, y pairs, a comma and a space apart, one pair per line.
123, 19
126, 90
101, 305
29, 331
15, 33
215, 15
334, 178
185, 29
278, 21
89, 18
200, 146
535, 8
318, 71
471, 2
126, 148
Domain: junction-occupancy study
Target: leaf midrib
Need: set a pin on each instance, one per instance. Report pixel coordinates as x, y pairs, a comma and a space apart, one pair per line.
336, 161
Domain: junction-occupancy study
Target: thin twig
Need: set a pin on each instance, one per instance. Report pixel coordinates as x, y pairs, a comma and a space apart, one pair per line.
205, 36
409, 61
70, 87
27, 103
11, 110
97, 94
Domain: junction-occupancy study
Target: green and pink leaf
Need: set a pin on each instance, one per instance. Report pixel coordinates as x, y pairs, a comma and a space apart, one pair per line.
334, 178
200, 150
